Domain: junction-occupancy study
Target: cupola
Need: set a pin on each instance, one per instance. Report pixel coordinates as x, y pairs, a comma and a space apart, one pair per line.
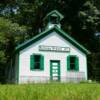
53, 19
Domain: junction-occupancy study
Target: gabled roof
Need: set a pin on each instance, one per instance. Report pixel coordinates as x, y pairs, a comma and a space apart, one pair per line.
47, 32
54, 13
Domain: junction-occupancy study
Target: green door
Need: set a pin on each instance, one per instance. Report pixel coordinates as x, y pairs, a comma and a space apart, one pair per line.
55, 70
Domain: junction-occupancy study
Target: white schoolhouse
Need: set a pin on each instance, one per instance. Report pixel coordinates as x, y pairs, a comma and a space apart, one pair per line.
52, 55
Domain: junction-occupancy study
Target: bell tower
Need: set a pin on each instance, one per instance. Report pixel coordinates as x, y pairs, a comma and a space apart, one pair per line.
53, 19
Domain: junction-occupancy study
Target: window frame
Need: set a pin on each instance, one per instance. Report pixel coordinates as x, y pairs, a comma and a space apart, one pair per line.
32, 62
76, 63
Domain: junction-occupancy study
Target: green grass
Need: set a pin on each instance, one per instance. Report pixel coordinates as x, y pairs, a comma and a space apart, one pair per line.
50, 91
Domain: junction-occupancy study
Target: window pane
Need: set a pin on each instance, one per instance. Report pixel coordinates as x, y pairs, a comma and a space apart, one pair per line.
72, 63
72, 59
72, 66
37, 62
37, 58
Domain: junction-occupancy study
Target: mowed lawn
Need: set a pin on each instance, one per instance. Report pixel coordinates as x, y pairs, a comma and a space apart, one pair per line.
50, 91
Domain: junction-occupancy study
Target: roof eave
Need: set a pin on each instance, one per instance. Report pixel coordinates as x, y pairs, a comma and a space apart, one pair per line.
23, 45
54, 11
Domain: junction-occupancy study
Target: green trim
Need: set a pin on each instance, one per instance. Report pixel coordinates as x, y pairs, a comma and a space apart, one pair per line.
54, 13
32, 62
68, 63
47, 32
31, 41
50, 70
76, 62
73, 41
86, 69
59, 71
52, 61
42, 62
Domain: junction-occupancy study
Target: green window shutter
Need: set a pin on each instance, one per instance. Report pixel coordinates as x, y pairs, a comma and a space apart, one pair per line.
68, 63
32, 62
77, 64
42, 62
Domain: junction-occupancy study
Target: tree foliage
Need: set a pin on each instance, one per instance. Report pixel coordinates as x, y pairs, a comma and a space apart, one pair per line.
10, 35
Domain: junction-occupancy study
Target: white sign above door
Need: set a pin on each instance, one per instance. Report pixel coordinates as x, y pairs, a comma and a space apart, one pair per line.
54, 48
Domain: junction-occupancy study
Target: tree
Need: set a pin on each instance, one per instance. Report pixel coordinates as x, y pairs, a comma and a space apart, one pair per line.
10, 35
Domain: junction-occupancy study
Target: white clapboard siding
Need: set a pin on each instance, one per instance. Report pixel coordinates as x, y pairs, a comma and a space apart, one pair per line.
53, 39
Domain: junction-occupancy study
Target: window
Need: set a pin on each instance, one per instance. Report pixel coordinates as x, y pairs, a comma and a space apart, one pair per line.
54, 19
36, 62
72, 63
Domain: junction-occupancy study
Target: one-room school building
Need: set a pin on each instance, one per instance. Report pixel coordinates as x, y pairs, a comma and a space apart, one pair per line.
52, 55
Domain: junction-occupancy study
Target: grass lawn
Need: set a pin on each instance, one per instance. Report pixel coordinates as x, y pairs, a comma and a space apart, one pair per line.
50, 91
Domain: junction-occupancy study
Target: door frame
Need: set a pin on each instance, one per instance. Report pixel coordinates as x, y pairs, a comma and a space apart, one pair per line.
58, 61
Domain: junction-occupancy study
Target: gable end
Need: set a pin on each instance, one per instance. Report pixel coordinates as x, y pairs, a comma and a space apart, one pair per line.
47, 32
